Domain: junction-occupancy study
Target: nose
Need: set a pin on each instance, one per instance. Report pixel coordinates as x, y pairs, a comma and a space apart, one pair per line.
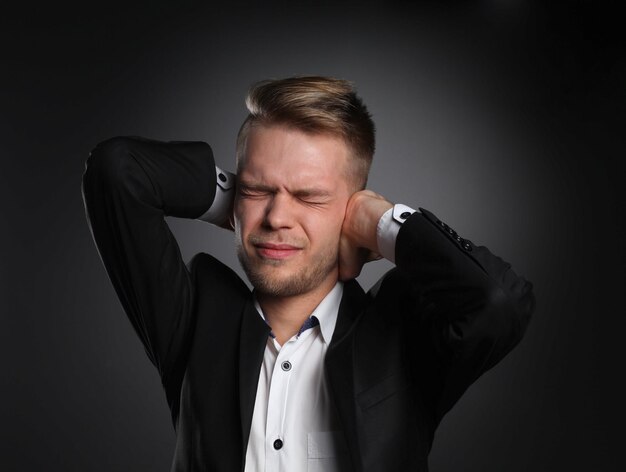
278, 212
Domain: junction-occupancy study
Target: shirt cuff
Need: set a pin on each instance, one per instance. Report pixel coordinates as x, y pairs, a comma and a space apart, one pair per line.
388, 228
219, 212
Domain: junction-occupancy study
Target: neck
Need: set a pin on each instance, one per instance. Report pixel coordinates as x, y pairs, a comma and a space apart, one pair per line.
287, 314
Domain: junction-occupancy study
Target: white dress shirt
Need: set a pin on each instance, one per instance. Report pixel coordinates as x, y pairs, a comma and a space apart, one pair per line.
294, 425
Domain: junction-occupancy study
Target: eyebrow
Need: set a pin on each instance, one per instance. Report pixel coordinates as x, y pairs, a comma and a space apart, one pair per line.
258, 187
311, 192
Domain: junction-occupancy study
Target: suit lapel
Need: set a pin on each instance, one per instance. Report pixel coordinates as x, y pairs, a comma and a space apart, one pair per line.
339, 364
253, 338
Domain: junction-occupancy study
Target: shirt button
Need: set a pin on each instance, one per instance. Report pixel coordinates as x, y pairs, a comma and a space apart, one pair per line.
286, 366
222, 177
405, 215
278, 444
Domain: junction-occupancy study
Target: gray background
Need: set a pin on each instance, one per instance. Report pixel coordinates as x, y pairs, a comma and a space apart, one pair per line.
501, 117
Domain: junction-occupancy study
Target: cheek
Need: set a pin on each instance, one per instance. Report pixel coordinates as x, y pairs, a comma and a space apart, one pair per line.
326, 228
239, 208
245, 214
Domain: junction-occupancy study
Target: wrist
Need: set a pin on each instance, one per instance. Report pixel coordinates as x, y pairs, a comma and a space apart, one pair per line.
364, 211
376, 212
220, 210
388, 229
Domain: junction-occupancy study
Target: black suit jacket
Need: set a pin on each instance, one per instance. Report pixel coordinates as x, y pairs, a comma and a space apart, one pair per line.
401, 354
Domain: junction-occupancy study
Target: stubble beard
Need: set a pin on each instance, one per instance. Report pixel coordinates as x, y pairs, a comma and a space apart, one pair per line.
266, 280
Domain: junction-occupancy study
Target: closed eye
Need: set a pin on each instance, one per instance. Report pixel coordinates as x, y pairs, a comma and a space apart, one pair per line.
312, 201
252, 193
313, 197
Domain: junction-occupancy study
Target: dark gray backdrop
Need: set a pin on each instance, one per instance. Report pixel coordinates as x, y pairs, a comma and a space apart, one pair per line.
501, 117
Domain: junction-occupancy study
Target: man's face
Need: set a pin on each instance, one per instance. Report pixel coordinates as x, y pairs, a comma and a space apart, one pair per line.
292, 193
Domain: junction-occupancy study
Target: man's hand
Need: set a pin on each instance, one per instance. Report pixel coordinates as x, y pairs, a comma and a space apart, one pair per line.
358, 243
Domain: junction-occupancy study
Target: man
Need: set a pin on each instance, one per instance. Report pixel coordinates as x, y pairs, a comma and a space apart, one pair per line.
307, 372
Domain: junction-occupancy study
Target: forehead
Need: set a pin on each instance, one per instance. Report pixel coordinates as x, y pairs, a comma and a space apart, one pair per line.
281, 153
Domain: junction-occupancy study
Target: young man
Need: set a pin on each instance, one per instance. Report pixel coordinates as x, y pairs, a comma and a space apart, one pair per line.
307, 372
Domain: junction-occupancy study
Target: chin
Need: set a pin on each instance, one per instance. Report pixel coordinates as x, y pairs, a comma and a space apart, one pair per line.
279, 287
272, 277
267, 281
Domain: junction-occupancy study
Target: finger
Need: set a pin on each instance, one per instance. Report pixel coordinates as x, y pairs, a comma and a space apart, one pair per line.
373, 256
351, 260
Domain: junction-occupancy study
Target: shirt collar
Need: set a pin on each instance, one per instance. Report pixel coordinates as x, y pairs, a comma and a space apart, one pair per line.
326, 312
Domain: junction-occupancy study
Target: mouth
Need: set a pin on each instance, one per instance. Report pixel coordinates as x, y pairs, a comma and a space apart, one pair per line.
276, 251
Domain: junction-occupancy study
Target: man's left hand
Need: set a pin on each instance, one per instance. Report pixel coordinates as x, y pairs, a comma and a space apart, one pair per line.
358, 243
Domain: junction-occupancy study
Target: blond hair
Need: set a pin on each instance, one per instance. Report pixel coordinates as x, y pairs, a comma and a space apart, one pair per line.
313, 104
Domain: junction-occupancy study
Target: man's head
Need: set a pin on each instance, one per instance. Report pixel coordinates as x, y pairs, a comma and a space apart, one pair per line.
314, 105
302, 152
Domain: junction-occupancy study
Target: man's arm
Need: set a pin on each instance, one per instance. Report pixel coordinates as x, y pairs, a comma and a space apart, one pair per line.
471, 308
129, 185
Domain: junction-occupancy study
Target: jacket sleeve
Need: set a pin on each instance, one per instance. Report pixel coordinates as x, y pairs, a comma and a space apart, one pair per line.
473, 307
129, 185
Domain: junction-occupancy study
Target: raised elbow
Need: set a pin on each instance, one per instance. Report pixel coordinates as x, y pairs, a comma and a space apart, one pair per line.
108, 160
509, 312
